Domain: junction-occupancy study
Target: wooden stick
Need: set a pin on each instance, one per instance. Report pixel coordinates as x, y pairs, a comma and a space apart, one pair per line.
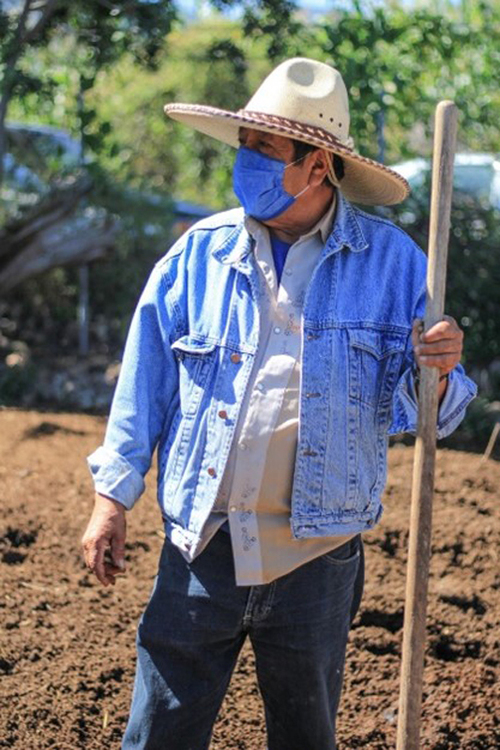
491, 443
410, 699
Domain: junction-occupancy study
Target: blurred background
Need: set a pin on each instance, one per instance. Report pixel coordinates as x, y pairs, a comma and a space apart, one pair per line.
95, 183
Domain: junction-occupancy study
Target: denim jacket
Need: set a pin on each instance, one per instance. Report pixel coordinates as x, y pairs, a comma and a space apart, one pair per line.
191, 348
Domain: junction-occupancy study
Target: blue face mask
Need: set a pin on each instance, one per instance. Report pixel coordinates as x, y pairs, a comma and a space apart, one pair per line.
258, 184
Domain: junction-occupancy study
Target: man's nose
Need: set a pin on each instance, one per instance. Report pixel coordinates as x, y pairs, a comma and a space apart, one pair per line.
252, 139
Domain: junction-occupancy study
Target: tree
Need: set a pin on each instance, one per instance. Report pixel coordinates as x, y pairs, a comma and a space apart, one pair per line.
102, 31
53, 234
52, 54
91, 37
397, 64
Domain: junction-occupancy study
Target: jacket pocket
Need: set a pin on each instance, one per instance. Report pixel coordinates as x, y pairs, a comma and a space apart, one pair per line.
196, 360
190, 346
375, 361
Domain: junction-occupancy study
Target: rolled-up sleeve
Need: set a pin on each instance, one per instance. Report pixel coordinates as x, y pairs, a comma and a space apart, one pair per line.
459, 393
115, 477
143, 398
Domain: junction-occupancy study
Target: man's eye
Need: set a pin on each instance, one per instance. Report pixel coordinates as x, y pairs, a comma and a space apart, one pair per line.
266, 146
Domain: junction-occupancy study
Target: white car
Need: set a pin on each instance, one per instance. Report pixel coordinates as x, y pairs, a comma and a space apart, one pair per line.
477, 175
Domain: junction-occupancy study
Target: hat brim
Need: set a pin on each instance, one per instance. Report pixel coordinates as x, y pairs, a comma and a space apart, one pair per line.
365, 181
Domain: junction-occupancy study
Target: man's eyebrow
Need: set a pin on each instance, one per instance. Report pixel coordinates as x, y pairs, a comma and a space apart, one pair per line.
262, 134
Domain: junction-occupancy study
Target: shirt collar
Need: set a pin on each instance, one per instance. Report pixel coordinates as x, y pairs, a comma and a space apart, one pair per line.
323, 227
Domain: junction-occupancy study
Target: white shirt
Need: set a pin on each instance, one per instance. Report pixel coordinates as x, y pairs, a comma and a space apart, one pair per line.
257, 485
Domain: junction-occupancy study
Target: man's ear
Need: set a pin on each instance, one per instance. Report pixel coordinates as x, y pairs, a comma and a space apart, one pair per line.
319, 167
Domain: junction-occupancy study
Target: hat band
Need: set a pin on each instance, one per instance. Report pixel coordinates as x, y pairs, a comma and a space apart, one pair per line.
297, 129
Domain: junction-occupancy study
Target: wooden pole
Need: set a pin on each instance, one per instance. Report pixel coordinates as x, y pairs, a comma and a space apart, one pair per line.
410, 698
83, 310
491, 443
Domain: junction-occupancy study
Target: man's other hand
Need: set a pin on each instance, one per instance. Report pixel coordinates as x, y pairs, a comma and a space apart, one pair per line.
105, 536
440, 346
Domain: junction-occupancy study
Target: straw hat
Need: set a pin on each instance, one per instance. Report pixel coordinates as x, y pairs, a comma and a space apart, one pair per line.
305, 100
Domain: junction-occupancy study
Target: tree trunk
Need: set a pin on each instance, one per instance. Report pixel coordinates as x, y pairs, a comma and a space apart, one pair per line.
3, 144
52, 234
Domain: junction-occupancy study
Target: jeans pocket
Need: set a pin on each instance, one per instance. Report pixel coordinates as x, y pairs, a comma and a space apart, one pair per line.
345, 554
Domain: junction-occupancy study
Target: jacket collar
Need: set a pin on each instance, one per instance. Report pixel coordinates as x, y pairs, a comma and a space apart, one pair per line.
346, 233
236, 246
346, 230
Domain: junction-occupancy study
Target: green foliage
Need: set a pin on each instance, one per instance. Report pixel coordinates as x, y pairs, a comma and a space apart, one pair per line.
274, 20
473, 278
206, 63
97, 35
397, 64
105, 30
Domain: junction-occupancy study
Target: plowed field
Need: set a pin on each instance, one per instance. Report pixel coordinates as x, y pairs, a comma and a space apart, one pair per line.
68, 645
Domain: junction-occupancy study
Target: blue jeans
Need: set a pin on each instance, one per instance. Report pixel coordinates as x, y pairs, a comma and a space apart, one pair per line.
195, 624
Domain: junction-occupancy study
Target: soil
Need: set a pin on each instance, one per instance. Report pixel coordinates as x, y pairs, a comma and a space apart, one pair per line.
68, 644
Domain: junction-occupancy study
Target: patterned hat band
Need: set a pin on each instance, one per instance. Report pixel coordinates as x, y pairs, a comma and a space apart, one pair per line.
298, 130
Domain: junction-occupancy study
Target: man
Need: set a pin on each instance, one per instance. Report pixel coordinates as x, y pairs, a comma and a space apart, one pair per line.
273, 351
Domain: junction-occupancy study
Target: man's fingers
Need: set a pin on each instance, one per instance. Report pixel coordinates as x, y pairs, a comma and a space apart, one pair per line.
118, 552
444, 346
445, 329
445, 362
104, 540
94, 557
110, 572
417, 329
440, 346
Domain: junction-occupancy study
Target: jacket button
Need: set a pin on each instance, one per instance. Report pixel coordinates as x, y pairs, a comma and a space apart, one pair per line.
235, 358
211, 471
223, 414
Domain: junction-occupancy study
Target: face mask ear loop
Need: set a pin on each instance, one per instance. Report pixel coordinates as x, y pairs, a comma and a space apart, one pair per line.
295, 162
331, 172
301, 192
291, 165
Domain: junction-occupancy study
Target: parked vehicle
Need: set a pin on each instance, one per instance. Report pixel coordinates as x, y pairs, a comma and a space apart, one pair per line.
476, 175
